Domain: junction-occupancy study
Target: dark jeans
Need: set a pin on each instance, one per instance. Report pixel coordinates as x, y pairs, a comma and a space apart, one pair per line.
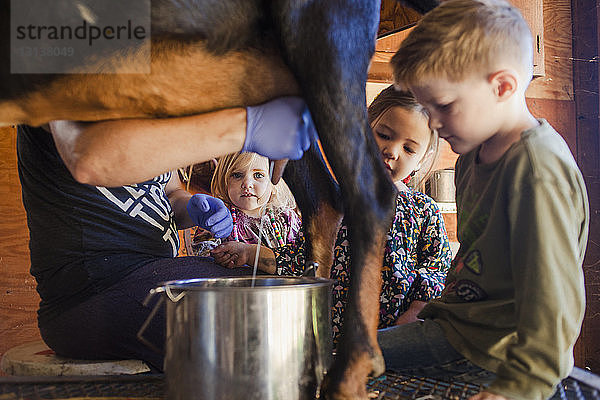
105, 326
421, 349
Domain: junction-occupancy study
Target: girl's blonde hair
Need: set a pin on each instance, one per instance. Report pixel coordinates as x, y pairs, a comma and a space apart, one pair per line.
391, 97
281, 196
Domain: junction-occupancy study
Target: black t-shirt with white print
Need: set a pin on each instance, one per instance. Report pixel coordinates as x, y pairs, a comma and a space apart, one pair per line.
85, 238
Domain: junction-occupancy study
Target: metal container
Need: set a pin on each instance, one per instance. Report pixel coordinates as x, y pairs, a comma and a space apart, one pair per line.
440, 186
239, 338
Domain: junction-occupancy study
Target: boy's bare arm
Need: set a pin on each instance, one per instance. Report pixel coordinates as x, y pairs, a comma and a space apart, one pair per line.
410, 315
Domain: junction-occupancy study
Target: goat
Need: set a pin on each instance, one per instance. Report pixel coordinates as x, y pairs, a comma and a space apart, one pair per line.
214, 54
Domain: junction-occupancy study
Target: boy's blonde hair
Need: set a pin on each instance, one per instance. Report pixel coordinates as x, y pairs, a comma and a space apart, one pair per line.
281, 196
461, 37
391, 97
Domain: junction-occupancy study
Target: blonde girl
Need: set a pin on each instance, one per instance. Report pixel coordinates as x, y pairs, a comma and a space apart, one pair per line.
243, 182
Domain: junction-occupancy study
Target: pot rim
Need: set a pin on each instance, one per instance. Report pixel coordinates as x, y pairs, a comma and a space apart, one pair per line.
216, 284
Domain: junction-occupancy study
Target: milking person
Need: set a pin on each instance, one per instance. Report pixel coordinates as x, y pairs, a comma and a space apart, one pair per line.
98, 247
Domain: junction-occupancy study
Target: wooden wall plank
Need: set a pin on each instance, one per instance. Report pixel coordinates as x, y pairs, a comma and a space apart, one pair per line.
586, 43
557, 82
394, 16
587, 351
533, 13
18, 298
560, 114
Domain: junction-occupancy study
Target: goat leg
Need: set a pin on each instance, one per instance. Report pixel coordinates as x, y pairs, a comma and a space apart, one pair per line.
341, 36
318, 197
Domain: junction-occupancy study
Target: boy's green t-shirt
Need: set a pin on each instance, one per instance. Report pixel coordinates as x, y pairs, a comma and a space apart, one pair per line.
514, 297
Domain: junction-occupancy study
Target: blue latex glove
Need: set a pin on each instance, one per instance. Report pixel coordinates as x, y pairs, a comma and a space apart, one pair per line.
211, 214
280, 128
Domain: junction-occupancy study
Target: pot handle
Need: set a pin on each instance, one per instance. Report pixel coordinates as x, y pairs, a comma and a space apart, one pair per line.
140, 334
172, 297
311, 269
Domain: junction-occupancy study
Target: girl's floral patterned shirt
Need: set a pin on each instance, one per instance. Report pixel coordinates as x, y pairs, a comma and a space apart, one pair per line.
416, 260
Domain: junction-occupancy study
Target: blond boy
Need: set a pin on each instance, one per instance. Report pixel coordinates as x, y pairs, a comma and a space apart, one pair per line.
514, 299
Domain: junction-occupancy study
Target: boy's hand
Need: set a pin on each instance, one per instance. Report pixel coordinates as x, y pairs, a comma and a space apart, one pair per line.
279, 129
487, 396
211, 214
410, 315
233, 254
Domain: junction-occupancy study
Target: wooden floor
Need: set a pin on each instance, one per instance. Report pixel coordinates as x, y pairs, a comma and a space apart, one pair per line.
153, 387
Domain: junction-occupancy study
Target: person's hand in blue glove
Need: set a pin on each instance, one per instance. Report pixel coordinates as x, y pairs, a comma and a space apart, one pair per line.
279, 129
211, 214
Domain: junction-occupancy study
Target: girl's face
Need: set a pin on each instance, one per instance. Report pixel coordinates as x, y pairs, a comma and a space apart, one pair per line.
402, 136
250, 188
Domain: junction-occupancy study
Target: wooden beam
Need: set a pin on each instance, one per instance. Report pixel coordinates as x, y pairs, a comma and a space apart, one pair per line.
385, 48
585, 16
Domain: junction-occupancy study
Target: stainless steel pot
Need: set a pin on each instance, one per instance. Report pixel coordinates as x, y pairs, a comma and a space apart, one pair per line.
232, 338
440, 185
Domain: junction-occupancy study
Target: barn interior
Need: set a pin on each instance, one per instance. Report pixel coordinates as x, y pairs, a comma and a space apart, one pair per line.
565, 91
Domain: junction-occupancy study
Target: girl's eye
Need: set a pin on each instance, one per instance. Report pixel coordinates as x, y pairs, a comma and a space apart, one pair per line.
383, 136
258, 175
237, 175
409, 150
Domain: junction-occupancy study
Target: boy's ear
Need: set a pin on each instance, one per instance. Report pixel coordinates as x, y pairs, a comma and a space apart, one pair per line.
504, 83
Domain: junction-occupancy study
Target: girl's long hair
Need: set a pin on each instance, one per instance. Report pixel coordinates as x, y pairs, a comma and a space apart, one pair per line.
391, 97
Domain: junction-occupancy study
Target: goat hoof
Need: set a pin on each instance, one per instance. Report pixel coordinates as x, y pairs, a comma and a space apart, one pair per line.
378, 365
331, 391
350, 382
